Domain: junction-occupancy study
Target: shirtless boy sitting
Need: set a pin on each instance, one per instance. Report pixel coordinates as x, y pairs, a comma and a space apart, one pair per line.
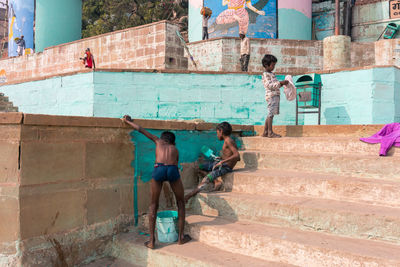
165, 169
230, 156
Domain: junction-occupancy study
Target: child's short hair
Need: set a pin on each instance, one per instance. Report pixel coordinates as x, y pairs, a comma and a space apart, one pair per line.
242, 35
268, 59
168, 137
225, 128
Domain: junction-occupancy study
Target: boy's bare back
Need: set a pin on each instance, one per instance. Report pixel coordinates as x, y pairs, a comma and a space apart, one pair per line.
166, 153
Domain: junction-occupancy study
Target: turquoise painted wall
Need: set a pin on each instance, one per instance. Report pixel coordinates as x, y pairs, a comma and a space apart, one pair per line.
69, 95
295, 19
57, 22
188, 143
355, 97
293, 25
237, 98
360, 97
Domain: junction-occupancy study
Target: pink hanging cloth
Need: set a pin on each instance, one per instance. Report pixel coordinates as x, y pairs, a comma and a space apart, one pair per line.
388, 136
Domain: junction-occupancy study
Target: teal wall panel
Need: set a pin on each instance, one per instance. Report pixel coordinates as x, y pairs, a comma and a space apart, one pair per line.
294, 25
188, 143
57, 22
367, 96
213, 98
69, 95
357, 97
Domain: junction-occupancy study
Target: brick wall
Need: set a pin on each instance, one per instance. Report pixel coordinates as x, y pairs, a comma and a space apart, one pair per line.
152, 46
222, 54
66, 184
362, 54
388, 52
294, 56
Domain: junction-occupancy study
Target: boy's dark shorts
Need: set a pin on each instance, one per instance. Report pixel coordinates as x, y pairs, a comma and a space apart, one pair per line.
273, 105
217, 172
164, 173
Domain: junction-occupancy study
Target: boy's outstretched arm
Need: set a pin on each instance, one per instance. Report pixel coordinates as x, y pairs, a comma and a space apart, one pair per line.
127, 119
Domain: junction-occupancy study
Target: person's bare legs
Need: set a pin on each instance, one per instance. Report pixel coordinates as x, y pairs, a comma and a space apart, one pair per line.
197, 189
155, 196
177, 188
265, 133
271, 134
167, 195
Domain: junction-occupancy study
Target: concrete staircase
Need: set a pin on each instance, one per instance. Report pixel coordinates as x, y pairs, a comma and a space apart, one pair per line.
5, 105
309, 201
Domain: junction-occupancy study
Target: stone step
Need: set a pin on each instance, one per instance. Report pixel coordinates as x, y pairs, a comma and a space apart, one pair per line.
339, 145
316, 185
323, 130
3, 99
110, 262
335, 217
387, 168
300, 248
5, 104
129, 247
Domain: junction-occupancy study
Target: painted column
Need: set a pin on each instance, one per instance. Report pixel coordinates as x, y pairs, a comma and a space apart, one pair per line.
20, 20
337, 52
57, 22
195, 20
295, 19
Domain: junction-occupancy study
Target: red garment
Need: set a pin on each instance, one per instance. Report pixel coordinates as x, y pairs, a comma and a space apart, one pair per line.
89, 60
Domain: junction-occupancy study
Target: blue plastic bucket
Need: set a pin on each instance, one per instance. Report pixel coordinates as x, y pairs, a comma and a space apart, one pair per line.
167, 226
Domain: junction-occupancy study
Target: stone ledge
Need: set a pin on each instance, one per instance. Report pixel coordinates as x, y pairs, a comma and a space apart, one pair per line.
323, 130
11, 118
76, 121
355, 69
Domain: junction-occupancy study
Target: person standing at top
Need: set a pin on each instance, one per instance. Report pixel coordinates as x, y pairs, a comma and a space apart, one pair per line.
244, 52
21, 45
88, 59
206, 17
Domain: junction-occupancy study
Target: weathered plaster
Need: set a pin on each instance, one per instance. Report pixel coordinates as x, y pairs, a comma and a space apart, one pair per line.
347, 97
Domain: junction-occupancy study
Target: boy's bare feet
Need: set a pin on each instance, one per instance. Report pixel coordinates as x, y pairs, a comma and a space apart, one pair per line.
150, 244
264, 135
184, 239
274, 135
218, 184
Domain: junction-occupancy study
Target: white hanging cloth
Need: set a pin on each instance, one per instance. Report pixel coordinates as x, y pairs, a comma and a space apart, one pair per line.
290, 89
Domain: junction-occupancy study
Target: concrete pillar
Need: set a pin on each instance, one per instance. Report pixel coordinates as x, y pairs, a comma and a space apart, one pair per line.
337, 52
295, 19
57, 22
195, 20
